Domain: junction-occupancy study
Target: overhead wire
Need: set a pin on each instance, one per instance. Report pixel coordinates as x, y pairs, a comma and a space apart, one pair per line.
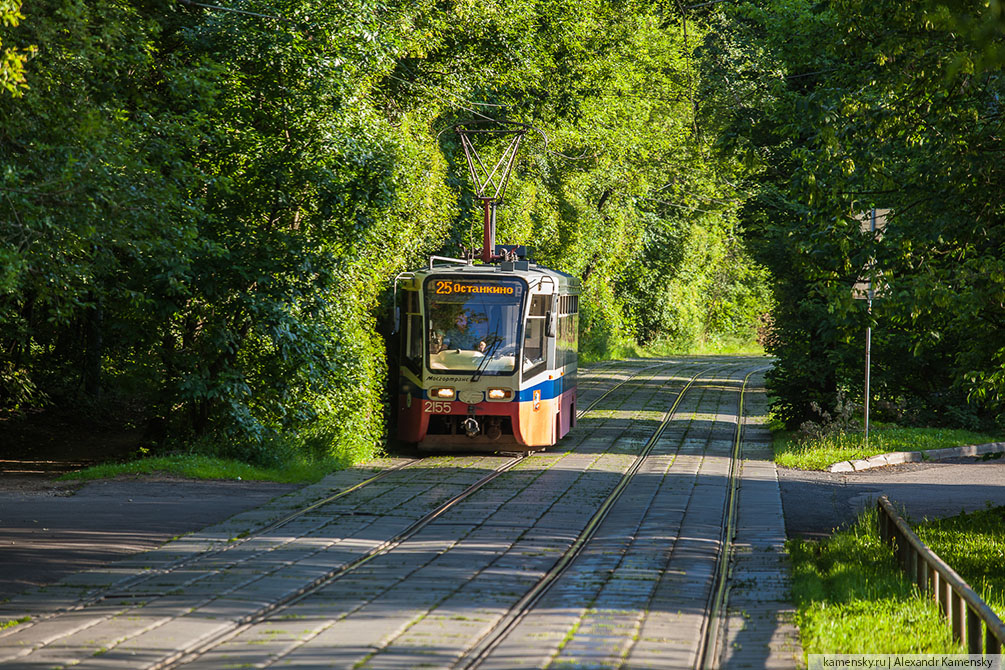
680, 206
705, 4
485, 117
428, 87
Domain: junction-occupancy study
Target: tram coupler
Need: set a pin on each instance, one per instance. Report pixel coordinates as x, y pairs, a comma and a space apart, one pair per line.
470, 426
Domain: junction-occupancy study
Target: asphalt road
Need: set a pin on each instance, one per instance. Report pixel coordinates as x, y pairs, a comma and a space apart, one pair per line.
49, 530
815, 503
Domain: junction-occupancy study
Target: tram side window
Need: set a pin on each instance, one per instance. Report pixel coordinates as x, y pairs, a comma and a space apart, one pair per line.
568, 327
573, 328
574, 346
535, 341
564, 340
413, 331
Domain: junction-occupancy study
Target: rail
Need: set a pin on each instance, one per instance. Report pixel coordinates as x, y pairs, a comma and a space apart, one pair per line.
490, 640
708, 659
958, 602
231, 629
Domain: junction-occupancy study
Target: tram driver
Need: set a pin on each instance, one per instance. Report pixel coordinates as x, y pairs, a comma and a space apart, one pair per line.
462, 336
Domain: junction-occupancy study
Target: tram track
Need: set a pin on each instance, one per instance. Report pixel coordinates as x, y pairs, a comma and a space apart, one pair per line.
184, 656
122, 588
581, 413
269, 616
188, 656
231, 628
531, 596
709, 655
132, 588
485, 646
482, 651
445, 533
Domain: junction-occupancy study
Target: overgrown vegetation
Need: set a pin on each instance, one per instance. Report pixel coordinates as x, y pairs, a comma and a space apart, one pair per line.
973, 544
852, 598
10, 623
842, 106
202, 210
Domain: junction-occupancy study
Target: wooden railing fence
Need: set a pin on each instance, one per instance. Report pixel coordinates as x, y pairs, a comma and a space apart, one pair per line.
958, 602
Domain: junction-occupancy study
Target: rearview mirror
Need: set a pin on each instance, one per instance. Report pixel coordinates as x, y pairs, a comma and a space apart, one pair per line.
550, 327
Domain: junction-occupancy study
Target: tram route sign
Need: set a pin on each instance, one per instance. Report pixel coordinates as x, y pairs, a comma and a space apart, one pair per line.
451, 286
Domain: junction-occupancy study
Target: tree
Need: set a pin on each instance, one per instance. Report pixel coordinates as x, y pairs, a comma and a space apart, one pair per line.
12, 60
204, 209
851, 105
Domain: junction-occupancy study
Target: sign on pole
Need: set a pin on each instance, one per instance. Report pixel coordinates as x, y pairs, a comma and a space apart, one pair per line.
872, 222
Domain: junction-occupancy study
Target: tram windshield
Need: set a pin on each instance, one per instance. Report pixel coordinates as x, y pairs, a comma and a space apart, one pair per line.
474, 324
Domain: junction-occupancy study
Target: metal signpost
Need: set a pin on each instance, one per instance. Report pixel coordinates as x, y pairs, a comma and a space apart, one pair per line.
875, 222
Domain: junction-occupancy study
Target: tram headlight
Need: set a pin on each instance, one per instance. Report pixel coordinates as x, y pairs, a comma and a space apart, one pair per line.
500, 394
443, 393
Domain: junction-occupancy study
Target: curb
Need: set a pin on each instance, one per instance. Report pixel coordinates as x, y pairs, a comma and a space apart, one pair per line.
898, 457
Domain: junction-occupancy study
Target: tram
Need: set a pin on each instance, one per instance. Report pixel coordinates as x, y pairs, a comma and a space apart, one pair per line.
488, 354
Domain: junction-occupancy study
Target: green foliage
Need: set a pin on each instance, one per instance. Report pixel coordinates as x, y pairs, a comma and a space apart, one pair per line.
203, 210
852, 598
844, 106
12, 60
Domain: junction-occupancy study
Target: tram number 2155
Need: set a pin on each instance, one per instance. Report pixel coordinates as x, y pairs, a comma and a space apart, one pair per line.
435, 407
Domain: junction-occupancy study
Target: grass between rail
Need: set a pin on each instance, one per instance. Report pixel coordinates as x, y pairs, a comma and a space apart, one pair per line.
974, 545
852, 598
194, 466
819, 453
10, 623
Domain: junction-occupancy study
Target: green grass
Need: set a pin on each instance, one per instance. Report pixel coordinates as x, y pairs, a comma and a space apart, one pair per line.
611, 351
10, 623
852, 598
974, 546
717, 346
820, 453
727, 346
195, 466
712, 346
